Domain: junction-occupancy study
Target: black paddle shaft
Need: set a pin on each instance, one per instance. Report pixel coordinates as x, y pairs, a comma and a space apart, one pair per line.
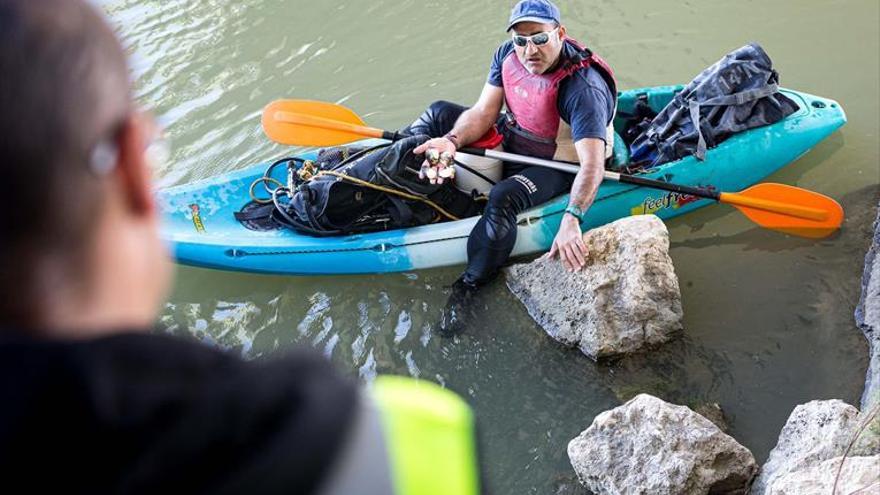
666, 186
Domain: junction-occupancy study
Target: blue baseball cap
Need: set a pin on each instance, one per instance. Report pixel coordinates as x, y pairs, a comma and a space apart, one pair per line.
542, 11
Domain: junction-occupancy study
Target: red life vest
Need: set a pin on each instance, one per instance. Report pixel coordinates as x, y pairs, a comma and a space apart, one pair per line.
538, 129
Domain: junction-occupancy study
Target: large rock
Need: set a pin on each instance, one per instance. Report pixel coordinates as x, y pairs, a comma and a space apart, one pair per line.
868, 318
815, 432
648, 446
858, 475
625, 299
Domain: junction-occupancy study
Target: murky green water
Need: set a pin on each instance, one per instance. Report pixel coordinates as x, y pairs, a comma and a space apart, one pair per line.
768, 318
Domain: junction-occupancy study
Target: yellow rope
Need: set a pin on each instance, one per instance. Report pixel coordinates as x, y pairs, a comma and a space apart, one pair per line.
389, 190
307, 171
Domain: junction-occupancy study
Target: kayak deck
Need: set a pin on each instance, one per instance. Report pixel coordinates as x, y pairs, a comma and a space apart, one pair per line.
199, 224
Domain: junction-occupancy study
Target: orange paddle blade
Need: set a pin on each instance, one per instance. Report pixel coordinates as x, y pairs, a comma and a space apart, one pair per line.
313, 123
788, 209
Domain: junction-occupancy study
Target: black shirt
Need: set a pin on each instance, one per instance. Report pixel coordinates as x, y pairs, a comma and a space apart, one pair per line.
141, 413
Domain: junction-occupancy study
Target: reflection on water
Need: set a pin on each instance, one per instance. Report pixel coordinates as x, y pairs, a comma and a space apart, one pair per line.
768, 317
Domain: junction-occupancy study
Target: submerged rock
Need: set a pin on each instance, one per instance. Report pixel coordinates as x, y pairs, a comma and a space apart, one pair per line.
648, 446
712, 411
868, 318
627, 298
816, 432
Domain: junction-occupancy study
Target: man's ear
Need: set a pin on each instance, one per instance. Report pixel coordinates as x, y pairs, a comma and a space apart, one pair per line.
561, 32
133, 171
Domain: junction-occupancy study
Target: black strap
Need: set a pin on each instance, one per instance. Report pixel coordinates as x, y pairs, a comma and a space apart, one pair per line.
257, 213
359, 154
641, 109
401, 212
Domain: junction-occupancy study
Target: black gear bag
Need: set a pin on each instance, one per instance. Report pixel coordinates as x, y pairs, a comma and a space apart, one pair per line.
374, 189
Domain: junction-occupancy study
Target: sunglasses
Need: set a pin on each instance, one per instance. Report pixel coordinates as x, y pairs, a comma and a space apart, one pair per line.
536, 39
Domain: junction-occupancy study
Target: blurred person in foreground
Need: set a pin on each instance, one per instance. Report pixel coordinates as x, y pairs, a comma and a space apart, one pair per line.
92, 400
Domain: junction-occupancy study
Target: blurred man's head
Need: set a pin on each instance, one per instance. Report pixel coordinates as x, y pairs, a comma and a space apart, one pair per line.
78, 240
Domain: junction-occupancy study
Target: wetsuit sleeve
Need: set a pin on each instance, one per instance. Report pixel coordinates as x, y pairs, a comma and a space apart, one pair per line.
152, 414
586, 104
497, 62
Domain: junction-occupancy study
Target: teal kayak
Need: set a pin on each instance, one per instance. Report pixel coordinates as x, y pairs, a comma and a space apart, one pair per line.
199, 225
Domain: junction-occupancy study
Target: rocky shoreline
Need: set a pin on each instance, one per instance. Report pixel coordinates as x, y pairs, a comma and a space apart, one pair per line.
649, 446
868, 317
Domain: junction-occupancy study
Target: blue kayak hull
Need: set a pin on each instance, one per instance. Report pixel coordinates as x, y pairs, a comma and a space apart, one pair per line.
199, 225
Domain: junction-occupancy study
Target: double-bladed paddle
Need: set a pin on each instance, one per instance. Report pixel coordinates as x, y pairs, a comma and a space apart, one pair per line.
780, 207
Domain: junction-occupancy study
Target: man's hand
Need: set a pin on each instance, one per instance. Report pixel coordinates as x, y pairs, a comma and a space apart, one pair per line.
569, 244
436, 171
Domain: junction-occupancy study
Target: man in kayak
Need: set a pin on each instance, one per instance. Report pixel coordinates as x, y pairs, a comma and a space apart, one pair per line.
560, 100
92, 401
